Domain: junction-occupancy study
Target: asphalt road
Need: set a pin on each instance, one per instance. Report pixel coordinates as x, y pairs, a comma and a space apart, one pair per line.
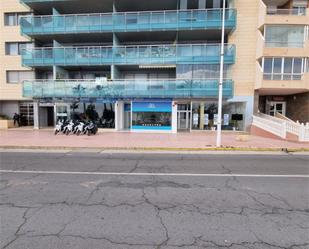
146, 201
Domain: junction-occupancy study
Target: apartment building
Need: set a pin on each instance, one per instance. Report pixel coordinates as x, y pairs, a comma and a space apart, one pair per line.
154, 65
12, 73
282, 83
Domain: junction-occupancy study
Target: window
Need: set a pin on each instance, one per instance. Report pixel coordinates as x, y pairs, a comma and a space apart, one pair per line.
15, 48
12, 19
283, 68
284, 36
19, 76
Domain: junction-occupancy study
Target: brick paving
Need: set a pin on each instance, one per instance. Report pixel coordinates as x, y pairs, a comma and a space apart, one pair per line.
120, 140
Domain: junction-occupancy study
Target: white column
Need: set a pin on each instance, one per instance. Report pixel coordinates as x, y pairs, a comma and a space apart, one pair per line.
183, 4
174, 117
119, 113
36, 124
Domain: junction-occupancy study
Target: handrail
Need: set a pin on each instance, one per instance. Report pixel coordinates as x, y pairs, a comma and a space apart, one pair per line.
131, 46
128, 12
99, 79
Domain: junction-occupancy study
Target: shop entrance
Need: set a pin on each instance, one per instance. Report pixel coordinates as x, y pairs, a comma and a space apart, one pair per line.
127, 116
47, 116
277, 106
183, 117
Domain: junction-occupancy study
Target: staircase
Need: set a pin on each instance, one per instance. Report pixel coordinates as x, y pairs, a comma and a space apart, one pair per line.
280, 127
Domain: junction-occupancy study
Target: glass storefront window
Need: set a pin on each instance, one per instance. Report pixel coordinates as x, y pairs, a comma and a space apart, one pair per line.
103, 114
151, 115
204, 116
152, 119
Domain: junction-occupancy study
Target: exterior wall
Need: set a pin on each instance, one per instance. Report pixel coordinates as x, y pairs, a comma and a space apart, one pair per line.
10, 34
297, 107
244, 70
8, 108
245, 39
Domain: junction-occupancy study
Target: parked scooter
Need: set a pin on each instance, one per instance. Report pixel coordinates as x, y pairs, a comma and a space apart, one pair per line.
59, 126
91, 129
79, 128
68, 128
76, 127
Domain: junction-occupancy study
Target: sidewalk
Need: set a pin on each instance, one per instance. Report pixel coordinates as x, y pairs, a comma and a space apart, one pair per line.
127, 140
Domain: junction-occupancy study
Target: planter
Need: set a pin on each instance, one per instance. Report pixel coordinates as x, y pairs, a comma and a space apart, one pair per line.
6, 124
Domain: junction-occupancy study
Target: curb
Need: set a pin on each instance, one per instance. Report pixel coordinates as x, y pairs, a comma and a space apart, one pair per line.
240, 149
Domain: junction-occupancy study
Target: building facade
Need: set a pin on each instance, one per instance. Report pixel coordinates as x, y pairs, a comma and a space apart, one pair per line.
154, 66
12, 73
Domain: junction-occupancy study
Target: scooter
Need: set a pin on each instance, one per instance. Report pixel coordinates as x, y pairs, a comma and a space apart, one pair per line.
79, 128
59, 126
91, 128
68, 128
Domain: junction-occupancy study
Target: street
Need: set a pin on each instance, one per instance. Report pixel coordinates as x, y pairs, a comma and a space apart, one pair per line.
87, 200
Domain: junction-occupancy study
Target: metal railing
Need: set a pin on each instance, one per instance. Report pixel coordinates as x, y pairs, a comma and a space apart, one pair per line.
282, 76
128, 21
169, 88
143, 54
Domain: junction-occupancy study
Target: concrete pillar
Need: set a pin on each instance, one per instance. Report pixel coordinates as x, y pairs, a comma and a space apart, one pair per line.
174, 117
202, 115
202, 4
119, 113
183, 4
36, 123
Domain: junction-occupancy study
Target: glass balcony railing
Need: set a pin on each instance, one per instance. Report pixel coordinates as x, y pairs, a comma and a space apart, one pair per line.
125, 88
128, 21
287, 12
126, 55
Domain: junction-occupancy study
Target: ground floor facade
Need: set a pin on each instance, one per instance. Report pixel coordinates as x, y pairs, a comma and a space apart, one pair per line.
147, 115
157, 115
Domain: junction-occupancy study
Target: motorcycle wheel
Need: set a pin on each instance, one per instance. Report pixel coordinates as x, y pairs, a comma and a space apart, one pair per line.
67, 132
56, 132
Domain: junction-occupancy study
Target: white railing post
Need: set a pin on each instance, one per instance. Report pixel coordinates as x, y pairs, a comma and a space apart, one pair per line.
283, 134
301, 136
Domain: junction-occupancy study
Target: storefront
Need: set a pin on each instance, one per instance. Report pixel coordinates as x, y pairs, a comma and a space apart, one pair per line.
152, 115
205, 115
147, 115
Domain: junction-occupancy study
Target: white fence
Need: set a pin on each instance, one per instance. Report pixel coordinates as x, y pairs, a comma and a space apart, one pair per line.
274, 127
281, 125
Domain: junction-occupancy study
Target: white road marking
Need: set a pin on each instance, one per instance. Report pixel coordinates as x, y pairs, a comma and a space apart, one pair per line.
145, 174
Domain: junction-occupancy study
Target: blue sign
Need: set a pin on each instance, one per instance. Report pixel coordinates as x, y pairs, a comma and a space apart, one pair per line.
149, 128
152, 106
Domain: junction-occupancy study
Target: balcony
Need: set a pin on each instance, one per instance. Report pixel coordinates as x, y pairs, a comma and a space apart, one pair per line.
172, 20
281, 84
280, 49
126, 89
282, 16
128, 55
